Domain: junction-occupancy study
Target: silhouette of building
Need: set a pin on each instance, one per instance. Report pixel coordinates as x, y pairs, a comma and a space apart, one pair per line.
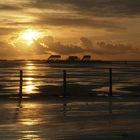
86, 58
54, 58
73, 58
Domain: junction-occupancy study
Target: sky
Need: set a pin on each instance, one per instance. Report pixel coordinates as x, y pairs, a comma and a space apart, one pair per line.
104, 29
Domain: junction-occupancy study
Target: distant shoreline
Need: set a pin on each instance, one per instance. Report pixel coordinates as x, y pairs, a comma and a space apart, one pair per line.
78, 61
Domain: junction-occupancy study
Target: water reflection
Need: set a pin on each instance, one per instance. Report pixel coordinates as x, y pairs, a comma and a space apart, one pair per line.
39, 120
65, 109
31, 137
30, 66
29, 85
17, 110
26, 116
110, 106
117, 88
30, 121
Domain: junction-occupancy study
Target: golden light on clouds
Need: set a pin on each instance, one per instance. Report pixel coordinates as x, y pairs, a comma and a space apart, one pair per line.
29, 36
30, 30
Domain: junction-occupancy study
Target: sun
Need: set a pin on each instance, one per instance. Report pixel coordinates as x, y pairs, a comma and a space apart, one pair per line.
29, 36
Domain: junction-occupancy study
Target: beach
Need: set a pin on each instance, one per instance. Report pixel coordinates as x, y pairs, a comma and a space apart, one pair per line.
69, 70
40, 77
87, 112
72, 119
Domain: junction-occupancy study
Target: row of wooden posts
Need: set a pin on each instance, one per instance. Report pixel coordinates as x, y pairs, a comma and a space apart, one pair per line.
65, 83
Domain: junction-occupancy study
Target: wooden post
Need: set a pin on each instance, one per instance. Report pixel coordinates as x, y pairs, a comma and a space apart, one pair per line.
110, 81
21, 82
64, 83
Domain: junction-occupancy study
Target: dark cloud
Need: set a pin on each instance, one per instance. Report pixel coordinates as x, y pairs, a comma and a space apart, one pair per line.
6, 31
75, 21
72, 22
9, 7
18, 50
86, 43
113, 48
60, 48
94, 7
103, 47
75, 13
86, 46
80, 13
7, 50
47, 45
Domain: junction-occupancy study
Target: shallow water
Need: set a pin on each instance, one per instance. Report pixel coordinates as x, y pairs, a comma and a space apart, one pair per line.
84, 79
71, 118
67, 119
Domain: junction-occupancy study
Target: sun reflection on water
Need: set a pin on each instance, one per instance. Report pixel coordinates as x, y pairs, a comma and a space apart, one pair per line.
29, 88
30, 66
31, 137
29, 84
29, 121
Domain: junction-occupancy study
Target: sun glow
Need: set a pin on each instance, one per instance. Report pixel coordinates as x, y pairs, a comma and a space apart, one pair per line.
29, 36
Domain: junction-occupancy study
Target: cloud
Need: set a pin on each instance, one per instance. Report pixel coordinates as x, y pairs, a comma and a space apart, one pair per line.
9, 7
115, 48
76, 17
86, 46
60, 48
86, 43
6, 30
93, 7
78, 22
7, 50
73, 13
48, 45
45, 45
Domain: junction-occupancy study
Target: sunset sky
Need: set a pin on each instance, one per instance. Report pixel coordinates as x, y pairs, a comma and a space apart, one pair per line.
35, 29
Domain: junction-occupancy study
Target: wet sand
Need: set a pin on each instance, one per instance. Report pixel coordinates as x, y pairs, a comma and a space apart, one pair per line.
70, 119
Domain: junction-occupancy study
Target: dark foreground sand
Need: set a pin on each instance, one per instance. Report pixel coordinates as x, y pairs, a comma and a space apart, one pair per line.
70, 119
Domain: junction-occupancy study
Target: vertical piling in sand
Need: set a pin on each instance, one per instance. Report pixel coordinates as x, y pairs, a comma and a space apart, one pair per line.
110, 81
20, 86
64, 83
